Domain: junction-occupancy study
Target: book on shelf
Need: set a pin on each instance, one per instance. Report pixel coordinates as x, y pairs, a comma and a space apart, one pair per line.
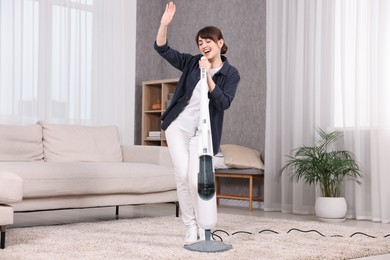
154, 133
153, 138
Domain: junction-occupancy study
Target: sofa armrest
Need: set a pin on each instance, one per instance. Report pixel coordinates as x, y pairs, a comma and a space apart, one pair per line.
147, 154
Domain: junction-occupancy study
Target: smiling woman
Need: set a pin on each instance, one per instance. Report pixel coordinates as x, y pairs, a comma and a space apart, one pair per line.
181, 119
208, 35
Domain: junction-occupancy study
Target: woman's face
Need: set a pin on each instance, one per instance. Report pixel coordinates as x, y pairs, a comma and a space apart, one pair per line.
209, 48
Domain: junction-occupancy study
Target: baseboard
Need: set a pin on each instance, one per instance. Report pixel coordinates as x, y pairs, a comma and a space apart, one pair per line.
241, 203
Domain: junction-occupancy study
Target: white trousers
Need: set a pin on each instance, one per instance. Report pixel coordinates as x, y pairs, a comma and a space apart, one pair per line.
183, 148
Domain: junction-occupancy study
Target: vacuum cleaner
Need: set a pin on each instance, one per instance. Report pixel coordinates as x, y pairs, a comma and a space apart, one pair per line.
207, 202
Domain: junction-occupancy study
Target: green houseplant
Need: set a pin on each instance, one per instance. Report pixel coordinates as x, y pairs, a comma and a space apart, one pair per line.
321, 165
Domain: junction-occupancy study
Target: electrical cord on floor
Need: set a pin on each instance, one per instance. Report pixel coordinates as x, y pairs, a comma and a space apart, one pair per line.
215, 235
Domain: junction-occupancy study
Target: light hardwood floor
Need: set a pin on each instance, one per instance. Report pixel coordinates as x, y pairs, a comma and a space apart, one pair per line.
57, 217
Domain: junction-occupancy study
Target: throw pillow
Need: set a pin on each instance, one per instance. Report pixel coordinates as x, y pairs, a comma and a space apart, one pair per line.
219, 161
241, 157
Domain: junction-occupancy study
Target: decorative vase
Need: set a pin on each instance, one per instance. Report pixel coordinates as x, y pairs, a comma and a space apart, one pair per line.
330, 209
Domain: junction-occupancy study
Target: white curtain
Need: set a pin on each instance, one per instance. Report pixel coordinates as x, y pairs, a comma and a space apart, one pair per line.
327, 66
68, 61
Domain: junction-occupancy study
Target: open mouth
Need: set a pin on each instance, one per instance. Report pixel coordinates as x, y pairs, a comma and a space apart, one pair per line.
206, 51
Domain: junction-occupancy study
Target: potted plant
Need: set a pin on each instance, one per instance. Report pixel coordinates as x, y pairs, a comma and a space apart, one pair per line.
328, 168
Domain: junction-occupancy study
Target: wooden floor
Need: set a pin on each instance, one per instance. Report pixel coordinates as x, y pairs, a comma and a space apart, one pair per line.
58, 217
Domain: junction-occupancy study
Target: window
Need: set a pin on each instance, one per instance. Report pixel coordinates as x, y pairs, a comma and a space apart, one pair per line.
361, 62
19, 45
45, 65
351, 65
71, 60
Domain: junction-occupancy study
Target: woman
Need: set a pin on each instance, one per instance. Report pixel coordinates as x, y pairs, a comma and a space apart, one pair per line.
181, 119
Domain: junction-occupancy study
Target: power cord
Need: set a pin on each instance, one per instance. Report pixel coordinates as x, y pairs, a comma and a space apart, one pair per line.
215, 235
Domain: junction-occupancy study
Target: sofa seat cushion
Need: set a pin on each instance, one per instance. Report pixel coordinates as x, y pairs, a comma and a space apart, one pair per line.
43, 179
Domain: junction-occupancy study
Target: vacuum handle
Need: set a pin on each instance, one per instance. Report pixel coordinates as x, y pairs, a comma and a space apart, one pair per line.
204, 109
203, 70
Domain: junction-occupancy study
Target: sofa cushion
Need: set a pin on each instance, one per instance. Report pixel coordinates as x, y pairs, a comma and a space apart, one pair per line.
21, 143
7, 215
11, 187
241, 157
81, 143
52, 179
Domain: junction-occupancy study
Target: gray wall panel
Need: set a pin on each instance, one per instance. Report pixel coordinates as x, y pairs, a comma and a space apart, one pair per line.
243, 24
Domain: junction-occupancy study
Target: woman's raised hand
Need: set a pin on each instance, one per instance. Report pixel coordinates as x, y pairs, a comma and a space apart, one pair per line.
167, 17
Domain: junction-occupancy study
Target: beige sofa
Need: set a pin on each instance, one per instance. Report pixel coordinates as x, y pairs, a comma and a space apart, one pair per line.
73, 166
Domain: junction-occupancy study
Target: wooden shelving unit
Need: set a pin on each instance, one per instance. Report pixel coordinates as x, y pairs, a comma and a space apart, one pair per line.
155, 91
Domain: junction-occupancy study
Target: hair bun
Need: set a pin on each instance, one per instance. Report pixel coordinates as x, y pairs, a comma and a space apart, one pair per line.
224, 49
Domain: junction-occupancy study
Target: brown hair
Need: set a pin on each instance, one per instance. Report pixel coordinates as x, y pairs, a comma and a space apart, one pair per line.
213, 33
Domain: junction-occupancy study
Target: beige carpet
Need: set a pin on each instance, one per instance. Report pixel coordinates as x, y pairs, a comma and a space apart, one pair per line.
162, 238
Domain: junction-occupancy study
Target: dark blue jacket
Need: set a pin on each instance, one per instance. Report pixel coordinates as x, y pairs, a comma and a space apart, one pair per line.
226, 80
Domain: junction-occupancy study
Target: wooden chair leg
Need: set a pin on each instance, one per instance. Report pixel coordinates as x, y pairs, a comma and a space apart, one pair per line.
216, 189
250, 192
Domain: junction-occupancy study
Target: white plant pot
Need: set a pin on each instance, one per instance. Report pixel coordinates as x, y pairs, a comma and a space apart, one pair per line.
330, 209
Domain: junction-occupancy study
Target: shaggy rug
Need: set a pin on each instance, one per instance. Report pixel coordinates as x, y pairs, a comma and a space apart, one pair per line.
162, 238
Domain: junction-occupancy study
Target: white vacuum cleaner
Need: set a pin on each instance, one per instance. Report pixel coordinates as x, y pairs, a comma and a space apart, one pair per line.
207, 203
